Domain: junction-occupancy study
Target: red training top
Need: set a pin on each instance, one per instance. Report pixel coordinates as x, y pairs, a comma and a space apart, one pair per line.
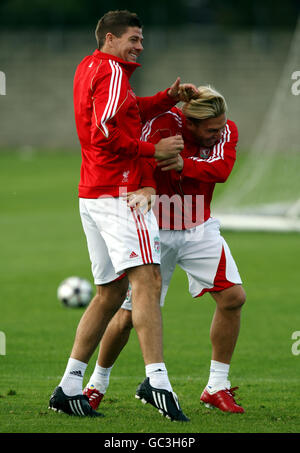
203, 168
109, 120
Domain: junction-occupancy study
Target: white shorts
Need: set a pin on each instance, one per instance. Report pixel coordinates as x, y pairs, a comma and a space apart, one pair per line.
202, 253
118, 237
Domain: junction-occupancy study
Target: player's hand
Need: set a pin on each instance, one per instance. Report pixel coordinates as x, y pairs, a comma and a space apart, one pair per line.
183, 92
187, 91
168, 147
175, 163
142, 199
174, 89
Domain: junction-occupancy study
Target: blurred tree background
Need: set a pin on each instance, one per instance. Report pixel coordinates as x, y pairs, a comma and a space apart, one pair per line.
78, 13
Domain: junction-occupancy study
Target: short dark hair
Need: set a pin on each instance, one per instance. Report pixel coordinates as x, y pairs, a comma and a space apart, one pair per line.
115, 22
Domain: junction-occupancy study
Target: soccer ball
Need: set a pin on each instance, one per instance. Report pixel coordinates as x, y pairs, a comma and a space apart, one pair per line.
75, 292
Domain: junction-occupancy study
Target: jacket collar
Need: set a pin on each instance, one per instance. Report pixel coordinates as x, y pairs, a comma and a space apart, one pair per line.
129, 66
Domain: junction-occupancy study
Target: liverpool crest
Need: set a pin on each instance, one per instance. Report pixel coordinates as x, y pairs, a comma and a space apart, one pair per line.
204, 153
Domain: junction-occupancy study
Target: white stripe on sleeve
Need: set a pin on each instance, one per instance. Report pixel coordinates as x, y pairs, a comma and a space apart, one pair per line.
114, 95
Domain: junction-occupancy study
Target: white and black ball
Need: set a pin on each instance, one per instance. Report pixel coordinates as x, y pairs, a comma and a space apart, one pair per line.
75, 292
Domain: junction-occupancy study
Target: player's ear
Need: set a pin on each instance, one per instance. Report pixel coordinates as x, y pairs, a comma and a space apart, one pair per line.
109, 38
189, 123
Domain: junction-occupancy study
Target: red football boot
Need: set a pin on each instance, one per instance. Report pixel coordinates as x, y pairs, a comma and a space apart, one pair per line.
223, 400
94, 396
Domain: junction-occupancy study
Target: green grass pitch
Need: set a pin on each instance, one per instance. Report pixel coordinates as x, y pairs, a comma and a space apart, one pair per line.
42, 243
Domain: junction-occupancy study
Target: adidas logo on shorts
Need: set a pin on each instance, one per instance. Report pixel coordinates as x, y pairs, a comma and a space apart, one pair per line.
133, 255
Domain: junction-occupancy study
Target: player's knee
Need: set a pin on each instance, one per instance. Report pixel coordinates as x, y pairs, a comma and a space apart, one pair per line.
237, 298
112, 295
232, 298
156, 282
147, 279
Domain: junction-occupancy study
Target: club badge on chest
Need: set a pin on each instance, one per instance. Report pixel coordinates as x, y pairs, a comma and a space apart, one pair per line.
204, 153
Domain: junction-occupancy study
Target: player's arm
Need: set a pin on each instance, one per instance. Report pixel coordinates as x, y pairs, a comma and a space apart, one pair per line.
151, 106
161, 102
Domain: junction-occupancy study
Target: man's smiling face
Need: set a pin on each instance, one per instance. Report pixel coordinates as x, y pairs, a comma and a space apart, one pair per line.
128, 46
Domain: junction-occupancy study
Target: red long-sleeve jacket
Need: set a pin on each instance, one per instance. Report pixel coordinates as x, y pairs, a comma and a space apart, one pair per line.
203, 168
109, 120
